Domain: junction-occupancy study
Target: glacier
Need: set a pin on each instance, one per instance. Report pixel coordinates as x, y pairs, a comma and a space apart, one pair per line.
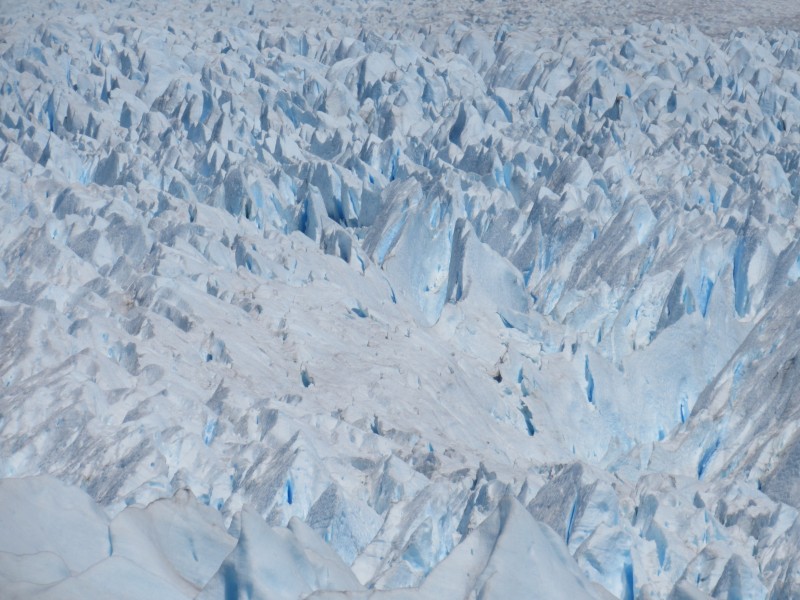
349, 301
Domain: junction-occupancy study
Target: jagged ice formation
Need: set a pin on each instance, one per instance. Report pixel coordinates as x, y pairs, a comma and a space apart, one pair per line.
341, 313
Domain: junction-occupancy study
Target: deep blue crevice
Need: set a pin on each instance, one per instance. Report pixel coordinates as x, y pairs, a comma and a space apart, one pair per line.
706, 287
741, 296
706, 458
506, 323
571, 520
587, 373
528, 416
628, 576
231, 579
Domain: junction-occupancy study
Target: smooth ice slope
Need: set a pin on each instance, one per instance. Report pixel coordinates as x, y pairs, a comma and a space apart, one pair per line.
355, 297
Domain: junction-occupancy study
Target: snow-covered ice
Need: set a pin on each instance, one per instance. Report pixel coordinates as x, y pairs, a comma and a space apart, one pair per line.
349, 301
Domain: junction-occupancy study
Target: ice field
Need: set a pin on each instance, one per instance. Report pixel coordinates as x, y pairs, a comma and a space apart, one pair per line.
429, 300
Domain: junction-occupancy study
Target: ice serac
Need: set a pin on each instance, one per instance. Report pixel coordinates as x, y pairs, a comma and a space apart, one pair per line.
508, 554
57, 543
732, 426
116, 577
45, 517
179, 539
278, 563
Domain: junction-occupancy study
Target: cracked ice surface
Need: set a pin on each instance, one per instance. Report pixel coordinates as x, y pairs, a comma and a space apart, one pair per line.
439, 312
